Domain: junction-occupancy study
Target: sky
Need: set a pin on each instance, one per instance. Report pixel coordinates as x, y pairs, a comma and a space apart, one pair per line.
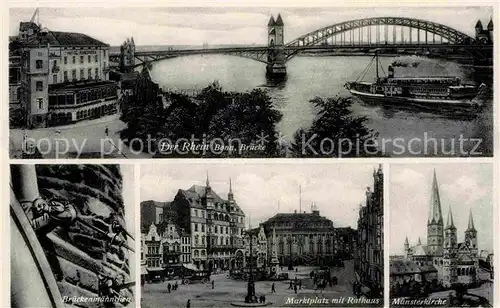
337, 189
464, 187
219, 25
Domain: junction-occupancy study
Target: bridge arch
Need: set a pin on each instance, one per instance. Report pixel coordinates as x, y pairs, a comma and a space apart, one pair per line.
321, 35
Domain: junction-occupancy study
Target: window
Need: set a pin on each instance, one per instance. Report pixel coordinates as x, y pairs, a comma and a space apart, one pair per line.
96, 73
65, 60
90, 59
54, 78
65, 76
74, 59
196, 213
39, 86
96, 58
73, 75
39, 64
195, 227
89, 73
40, 102
82, 74
202, 228
81, 60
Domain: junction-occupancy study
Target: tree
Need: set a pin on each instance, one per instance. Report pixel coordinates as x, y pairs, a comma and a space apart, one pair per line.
213, 117
335, 132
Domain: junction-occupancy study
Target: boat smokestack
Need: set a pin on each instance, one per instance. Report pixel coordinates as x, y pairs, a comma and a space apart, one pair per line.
390, 73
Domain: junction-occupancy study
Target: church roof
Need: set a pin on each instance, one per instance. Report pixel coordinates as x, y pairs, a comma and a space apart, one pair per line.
405, 267
479, 24
490, 25
420, 250
435, 215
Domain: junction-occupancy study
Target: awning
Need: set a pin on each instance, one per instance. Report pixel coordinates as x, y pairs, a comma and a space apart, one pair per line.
190, 266
155, 269
144, 271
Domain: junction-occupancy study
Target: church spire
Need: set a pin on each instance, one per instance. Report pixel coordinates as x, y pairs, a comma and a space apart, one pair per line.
435, 215
419, 242
406, 241
471, 222
230, 193
207, 182
449, 222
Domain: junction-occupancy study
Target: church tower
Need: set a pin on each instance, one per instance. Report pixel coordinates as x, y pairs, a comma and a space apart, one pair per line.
450, 251
479, 29
407, 248
230, 196
209, 197
490, 30
435, 221
471, 236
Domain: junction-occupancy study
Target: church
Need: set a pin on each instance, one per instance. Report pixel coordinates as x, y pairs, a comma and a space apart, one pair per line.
454, 262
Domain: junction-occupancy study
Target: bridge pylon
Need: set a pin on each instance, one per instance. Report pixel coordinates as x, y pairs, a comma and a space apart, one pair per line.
127, 56
276, 59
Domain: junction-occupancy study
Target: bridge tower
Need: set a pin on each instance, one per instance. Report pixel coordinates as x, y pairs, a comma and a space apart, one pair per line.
127, 56
276, 48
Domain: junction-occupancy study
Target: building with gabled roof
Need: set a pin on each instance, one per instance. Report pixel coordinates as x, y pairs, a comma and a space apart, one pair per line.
215, 224
369, 253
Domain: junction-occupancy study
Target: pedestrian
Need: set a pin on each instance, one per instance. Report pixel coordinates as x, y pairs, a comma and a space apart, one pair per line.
106, 131
176, 285
169, 287
296, 269
188, 304
295, 288
263, 298
273, 289
300, 284
213, 284
291, 285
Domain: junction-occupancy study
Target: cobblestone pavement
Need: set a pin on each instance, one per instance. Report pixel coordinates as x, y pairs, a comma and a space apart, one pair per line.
227, 290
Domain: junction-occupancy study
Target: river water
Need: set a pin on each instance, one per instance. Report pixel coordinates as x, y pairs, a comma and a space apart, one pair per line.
310, 76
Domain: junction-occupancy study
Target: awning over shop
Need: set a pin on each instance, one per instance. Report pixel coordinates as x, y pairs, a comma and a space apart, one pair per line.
155, 269
144, 271
190, 266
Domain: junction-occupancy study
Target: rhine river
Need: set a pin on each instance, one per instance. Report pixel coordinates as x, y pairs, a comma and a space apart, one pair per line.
310, 76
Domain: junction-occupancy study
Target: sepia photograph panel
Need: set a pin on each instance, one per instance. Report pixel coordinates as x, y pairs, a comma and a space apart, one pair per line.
441, 235
72, 236
280, 235
183, 82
